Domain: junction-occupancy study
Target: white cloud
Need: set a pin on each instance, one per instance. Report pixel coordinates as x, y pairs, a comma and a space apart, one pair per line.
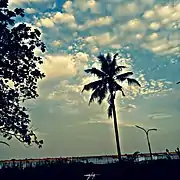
63, 18
53, 21
30, 10
56, 43
135, 24
101, 40
160, 48
116, 33
25, 1
121, 26
99, 22
94, 6
46, 22
153, 36
67, 6
108, 122
149, 14
28, 3
70, 94
17, 2
157, 116
155, 26
126, 9
58, 65
148, 88
128, 107
82, 57
164, 11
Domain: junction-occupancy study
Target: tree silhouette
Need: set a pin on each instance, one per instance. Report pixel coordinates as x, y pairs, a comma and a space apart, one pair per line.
168, 154
135, 155
18, 74
107, 85
177, 151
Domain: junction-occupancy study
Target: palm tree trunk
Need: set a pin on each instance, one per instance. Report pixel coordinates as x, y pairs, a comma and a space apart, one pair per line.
116, 131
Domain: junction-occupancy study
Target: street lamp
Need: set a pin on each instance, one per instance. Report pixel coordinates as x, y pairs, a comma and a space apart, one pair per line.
2, 142
147, 135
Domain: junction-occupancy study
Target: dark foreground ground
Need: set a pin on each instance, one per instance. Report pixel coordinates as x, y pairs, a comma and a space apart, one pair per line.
154, 170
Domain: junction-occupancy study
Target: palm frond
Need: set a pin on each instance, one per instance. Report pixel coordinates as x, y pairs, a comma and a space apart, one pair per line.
124, 76
115, 56
93, 85
95, 71
104, 64
118, 88
109, 111
119, 69
133, 82
102, 93
94, 96
111, 97
101, 58
99, 94
114, 62
112, 65
109, 58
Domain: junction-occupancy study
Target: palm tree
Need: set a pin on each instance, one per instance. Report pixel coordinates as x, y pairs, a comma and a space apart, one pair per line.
107, 85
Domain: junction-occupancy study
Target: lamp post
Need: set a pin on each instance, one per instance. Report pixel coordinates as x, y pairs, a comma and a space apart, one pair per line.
147, 136
2, 142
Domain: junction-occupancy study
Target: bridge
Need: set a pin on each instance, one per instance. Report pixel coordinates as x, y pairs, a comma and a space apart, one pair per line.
104, 159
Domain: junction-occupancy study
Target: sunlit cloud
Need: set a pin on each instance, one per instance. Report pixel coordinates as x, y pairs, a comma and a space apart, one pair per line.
37, 4
30, 11
155, 17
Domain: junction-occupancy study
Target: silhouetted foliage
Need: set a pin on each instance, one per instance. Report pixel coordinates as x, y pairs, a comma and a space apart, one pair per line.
135, 155
168, 154
18, 74
107, 85
177, 152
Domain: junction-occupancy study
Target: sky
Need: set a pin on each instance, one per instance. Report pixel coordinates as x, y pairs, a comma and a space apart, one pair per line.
145, 33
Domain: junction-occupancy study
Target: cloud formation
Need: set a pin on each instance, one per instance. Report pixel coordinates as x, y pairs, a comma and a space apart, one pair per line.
91, 27
146, 35
156, 116
106, 25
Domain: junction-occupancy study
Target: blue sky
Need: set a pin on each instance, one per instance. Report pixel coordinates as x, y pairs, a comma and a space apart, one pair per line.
146, 35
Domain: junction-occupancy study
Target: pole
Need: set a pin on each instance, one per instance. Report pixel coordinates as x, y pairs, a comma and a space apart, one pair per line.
149, 145
116, 133
147, 135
